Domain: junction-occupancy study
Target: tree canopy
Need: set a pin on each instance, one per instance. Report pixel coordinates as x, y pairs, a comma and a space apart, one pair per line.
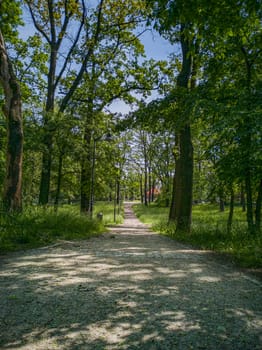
199, 139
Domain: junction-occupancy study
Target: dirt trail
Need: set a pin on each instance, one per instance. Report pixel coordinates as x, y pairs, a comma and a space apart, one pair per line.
128, 289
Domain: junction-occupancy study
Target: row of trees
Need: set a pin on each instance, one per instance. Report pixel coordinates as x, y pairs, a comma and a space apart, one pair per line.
81, 58
203, 137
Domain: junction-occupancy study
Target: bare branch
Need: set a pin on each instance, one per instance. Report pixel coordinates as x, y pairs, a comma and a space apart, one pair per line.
72, 47
37, 25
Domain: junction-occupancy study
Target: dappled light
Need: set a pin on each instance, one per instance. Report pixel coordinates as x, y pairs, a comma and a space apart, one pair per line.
128, 292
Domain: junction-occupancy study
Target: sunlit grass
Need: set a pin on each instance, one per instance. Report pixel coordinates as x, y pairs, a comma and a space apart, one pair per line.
38, 226
209, 231
108, 209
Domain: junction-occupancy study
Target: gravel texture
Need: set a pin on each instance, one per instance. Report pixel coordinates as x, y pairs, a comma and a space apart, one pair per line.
127, 289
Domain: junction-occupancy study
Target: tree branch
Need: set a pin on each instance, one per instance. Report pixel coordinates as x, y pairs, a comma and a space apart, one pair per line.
52, 21
36, 24
72, 47
90, 51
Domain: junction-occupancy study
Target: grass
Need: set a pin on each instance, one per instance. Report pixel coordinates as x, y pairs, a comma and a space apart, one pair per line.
107, 208
209, 231
37, 226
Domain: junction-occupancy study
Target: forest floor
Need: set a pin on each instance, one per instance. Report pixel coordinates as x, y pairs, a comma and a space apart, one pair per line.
127, 289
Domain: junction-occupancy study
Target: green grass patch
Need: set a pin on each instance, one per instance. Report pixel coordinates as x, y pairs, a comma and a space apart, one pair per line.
38, 226
209, 231
104, 207
108, 208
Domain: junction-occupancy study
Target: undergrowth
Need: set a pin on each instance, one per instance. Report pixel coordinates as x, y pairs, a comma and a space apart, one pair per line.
38, 226
209, 231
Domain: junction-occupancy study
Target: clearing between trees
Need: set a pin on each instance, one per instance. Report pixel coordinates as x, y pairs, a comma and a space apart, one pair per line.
127, 289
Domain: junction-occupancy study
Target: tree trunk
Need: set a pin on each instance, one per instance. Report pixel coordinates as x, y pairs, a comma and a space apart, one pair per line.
243, 198
92, 184
231, 212
149, 184
55, 41
118, 195
46, 170
59, 180
85, 182
48, 129
145, 155
182, 196
117, 191
141, 188
247, 143
85, 187
153, 190
249, 196
172, 216
12, 197
258, 208
221, 199
145, 186
184, 182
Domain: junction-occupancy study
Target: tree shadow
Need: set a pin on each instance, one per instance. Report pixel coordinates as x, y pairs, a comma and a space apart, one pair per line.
118, 296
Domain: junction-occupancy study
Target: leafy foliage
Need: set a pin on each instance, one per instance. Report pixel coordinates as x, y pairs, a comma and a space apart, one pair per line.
10, 18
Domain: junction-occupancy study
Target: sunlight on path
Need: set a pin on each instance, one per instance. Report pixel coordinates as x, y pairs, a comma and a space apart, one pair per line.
127, 289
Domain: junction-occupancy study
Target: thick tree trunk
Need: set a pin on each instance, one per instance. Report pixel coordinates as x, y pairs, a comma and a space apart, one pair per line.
184, 182
181, 208
12, 197
48, 130
247, 144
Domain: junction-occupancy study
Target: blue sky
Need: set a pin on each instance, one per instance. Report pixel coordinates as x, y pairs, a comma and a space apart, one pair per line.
155, 46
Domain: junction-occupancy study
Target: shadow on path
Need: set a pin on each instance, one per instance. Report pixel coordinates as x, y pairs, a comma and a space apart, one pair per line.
129, 289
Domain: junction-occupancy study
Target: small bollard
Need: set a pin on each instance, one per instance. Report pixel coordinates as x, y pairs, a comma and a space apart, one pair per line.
99, 216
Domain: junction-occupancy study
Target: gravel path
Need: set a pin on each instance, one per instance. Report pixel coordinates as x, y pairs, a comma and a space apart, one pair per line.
128, 289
